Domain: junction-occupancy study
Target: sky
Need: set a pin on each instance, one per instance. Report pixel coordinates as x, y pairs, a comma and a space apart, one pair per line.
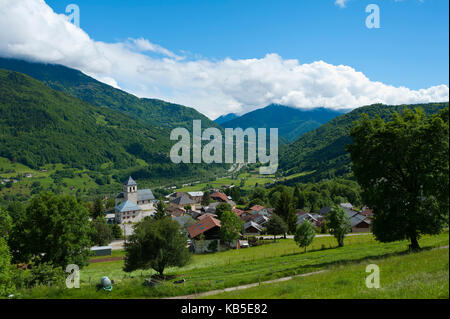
239, 55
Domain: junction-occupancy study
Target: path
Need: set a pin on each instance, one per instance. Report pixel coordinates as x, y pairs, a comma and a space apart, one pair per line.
214, 292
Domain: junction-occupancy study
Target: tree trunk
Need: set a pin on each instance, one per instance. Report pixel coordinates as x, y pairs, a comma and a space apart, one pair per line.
414, 243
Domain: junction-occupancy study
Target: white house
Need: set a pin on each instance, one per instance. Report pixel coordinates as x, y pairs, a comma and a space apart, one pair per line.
132, 204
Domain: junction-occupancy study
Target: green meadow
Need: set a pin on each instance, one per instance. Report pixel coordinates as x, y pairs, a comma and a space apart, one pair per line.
233, 267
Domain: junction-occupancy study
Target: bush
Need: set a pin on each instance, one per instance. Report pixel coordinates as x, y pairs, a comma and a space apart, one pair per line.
213, 246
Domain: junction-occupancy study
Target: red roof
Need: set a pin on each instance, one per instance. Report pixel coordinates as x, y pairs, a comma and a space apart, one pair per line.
221, 196
204, 225
256, 208
238, 212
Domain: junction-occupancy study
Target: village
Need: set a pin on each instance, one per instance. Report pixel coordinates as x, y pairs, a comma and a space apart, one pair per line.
197, 214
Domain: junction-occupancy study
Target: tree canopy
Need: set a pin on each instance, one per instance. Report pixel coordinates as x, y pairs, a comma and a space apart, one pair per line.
403, 168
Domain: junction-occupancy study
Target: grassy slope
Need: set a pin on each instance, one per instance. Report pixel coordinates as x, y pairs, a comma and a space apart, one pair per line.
419, 275
232, 268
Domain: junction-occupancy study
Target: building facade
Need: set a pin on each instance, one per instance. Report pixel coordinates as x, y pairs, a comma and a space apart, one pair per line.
133, 204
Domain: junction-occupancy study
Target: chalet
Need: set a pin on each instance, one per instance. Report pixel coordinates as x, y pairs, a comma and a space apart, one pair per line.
182, 202
313, 218
261, 220
209, 227
221, 197
196, 196
132, 205
360, 223
175, 211
252, 228
258, 209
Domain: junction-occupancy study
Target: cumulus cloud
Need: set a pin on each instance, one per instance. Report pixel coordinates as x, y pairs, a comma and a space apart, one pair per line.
29, 29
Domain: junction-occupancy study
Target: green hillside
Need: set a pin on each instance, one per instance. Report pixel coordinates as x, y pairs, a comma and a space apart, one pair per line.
41, 126
322, 151
291, 122
155, 112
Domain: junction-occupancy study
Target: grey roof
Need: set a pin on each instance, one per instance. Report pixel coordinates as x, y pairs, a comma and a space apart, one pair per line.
145, 194
356, 219
127, 206
261, 220
182, 200
350, 213
130, 182
120, 195
252, 224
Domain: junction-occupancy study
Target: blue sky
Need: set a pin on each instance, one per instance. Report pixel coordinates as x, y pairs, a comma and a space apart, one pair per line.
410, 49
236, 56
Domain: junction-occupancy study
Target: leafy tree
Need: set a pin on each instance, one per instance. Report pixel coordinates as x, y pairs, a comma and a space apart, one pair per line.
98, 209
276, 226
161, 211
285, 210
117, 232
299, 198
54, 229
231, 226
235, 193
403, 169
101, 232
338, 223
304, 235
44, 274
206, 199
6, 280
221, 209
156, 244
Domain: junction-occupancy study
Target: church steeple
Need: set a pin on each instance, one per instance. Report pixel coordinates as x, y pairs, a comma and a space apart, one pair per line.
130, 190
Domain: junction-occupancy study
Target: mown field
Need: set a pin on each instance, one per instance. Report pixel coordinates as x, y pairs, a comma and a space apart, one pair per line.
233, 268
422, 275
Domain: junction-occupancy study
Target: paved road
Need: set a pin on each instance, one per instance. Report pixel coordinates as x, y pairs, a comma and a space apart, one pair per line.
118, 244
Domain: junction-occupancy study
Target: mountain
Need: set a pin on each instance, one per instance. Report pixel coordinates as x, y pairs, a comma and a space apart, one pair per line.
322, 151
154, 112
291, 122
39, 125
225, 118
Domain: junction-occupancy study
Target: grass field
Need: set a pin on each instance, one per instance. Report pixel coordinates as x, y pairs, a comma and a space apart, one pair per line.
421, 275
233, 267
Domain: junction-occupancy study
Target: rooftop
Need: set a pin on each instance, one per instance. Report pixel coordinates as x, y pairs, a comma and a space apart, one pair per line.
204, 225
127, 206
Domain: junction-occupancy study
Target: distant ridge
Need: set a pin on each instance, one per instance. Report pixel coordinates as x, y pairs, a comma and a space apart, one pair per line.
291, 122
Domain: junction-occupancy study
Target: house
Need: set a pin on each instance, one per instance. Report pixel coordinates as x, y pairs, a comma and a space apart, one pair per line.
132, 205
360, 223
261, 220
110, 218
238, 212
209, 227
252, 228
221, 197
28, 175
313, 218
102, 250
258, 209
176, 211
196, 196
346, 205
201, 217
182, 202
366, 211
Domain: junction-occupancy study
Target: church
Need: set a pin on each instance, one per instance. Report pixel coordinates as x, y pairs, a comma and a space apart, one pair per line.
132, 205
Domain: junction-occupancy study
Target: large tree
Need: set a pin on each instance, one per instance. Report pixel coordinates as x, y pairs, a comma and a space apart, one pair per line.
53, 229
101, 232
403, 169
156, 244
222, 208
231, 226
276, 226
305, 233
338, 223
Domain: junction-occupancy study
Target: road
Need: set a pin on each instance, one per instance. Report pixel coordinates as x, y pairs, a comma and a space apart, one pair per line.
118, 244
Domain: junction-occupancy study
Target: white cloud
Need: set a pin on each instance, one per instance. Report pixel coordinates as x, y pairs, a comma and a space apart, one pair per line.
341, 3
30, 29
